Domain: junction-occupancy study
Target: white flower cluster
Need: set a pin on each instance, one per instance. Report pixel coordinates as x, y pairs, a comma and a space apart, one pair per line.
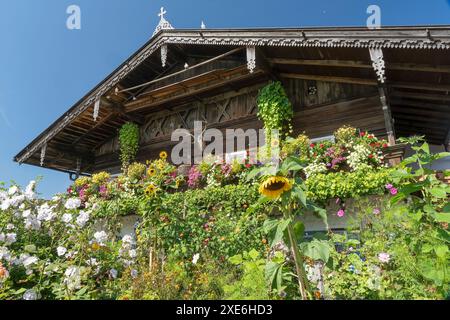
358, 158
72, 278
128, 253
14, 197
315, 168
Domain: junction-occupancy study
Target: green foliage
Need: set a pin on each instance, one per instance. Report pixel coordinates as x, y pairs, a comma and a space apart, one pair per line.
214, 220
129, 143
251, 284
275, 109
345, 185
299, 146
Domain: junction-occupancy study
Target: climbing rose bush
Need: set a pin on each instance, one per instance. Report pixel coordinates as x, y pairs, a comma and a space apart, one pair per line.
54, 250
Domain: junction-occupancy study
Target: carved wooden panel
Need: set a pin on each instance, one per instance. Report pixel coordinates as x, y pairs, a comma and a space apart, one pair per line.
214, 112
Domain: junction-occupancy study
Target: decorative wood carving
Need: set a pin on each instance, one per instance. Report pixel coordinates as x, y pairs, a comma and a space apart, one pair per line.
376, 54
215, 112
251, 58
410, 38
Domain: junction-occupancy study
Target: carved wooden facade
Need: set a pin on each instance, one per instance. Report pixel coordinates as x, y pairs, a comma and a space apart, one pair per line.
389, 81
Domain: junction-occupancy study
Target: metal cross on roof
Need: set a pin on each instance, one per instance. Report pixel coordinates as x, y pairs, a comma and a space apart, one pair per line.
162, 13
163, 23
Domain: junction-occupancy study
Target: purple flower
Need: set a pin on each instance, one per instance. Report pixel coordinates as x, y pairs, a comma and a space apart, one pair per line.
194, 177
393, 191
376, 211
103, 190
389, 186
341, 213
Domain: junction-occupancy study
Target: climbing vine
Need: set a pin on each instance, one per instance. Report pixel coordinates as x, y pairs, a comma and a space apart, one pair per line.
275, 109
129, 143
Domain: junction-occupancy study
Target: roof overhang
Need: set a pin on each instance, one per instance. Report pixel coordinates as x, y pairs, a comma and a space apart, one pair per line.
435, 38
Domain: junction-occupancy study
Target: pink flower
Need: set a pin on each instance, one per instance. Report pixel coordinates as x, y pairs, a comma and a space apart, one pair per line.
194, 178
389, 186
341, 213
393, 191
376, 211
384, 257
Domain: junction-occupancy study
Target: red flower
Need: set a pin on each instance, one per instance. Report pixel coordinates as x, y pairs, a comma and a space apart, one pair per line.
370, 156
385, 145
322, 146
248, 165
312, 145
362, 134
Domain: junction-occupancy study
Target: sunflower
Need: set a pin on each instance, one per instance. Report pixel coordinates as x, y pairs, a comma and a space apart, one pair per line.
275, 186
150, 191
163, 155
151, 172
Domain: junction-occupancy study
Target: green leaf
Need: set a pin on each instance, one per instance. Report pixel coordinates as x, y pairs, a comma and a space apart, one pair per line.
439, 193
442, 217
300, 194
236, 260
299, 229
441, 251
31, 248
271, 271
316, 250
269, 225
446, 208
282, 226
292, 164
253, 254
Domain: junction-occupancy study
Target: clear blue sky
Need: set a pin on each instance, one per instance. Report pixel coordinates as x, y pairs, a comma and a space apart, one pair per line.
45, 68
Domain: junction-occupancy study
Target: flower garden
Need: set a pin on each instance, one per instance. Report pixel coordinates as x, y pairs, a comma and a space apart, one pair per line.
236, 230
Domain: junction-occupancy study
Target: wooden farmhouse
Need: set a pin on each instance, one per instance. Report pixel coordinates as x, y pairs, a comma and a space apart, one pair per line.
393, 82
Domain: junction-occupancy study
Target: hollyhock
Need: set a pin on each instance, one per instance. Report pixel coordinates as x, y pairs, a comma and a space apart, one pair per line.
393, 191
389, 186
341, 213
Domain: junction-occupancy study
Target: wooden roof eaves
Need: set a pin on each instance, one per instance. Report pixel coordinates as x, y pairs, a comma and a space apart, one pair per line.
427, 37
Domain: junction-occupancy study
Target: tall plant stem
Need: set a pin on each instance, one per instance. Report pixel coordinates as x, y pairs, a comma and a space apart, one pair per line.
298, 260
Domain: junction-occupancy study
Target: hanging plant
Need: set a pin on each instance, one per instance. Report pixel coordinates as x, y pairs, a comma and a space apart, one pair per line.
129, 143
275, 109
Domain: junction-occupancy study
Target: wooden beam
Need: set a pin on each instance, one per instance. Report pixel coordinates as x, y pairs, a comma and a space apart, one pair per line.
97, 125
145, 103
368, 82
362, 64
185, 70
420, 86
420, 96
406, 109
324, 63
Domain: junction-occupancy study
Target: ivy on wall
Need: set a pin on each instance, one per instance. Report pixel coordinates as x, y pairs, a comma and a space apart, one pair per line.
129, 143
275, 109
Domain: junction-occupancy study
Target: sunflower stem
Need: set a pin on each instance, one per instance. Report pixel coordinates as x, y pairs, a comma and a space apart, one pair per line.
298, 258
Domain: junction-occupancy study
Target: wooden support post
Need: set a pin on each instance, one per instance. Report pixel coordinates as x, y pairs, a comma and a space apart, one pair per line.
447, 140
387, 116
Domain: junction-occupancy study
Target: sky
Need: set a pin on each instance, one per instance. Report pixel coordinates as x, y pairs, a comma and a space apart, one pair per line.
45, 68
